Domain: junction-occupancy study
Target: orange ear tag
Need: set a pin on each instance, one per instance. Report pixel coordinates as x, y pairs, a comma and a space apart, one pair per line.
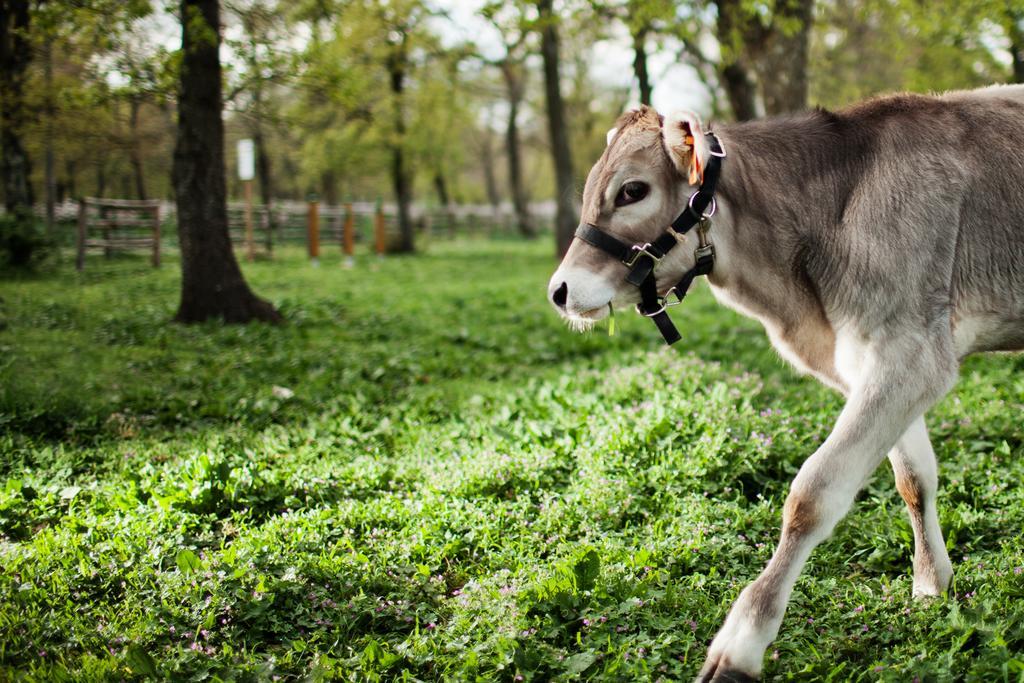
696, 172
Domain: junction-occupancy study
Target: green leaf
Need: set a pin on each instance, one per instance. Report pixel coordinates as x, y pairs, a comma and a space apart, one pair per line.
579, 663
141, 662
587, 570
188, 561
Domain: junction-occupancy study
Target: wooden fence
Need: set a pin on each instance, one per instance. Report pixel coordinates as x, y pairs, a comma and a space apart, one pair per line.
113, 225
121, 224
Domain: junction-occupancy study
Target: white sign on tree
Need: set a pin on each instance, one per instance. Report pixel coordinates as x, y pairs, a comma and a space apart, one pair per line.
246, 159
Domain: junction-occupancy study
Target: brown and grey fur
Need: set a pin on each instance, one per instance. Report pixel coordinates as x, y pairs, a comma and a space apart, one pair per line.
878, 245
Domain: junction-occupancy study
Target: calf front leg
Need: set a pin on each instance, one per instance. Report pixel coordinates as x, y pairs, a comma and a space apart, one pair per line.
913, 463
894, 391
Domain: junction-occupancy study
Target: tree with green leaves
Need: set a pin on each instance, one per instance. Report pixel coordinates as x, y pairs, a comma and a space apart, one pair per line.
764, 51
507, 18
264, 61
645, 20
212, 285
558, 126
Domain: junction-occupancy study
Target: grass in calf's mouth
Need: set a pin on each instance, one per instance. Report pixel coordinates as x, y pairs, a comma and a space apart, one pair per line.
454, 487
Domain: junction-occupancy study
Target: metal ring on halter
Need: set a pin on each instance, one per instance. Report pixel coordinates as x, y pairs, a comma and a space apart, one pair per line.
721, 154
665, 303
704, 217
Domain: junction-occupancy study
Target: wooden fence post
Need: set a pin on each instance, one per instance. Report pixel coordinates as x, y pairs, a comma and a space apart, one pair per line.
348, 237
313, 230
80, 257
379, 231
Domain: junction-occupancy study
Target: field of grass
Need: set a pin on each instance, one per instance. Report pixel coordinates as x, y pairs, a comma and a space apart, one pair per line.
424, 476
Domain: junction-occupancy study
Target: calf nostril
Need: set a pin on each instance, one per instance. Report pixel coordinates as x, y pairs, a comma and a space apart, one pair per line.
560, 295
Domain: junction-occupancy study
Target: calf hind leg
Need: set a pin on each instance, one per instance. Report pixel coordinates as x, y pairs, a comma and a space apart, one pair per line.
913, 463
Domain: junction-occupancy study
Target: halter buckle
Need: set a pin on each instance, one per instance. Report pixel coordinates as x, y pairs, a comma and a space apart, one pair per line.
707, 251
642, 249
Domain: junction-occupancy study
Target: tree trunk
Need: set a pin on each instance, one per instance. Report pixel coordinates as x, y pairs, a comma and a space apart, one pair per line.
266, 189
1015, 30
71, 171
329, 188
640, 65
515, 87
50, 171
441, 187
736, 75
782, 63
15, 54
565, 218
399, 173
212, 285
101, 176
741, 91
136, 151
263, 171
487, 159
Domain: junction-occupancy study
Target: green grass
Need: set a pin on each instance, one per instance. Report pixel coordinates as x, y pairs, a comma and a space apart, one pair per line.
458, 489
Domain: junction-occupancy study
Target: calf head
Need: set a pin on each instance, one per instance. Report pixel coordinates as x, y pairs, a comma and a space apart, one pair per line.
634, 191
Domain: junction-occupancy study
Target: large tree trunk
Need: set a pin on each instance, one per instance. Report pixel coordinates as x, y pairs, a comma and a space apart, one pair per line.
782, 63
212, 285
15, 53
640, 65
136, 149
515, 87
565, 218
399, 173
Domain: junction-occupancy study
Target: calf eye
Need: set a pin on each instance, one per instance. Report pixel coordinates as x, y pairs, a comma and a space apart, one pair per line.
631, 193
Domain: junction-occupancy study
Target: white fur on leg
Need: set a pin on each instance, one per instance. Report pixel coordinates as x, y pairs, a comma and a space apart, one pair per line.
898, 383
916, 470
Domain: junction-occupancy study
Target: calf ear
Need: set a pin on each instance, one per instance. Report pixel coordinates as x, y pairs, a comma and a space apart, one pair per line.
610, 136
687, 147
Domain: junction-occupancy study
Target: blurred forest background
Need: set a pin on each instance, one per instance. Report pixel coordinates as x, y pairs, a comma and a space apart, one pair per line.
452, 102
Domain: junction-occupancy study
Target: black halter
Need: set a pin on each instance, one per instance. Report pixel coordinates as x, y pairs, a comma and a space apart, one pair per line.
641, 259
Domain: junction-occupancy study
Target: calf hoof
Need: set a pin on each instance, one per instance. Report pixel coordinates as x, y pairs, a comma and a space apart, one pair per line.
720, 672
932, 579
